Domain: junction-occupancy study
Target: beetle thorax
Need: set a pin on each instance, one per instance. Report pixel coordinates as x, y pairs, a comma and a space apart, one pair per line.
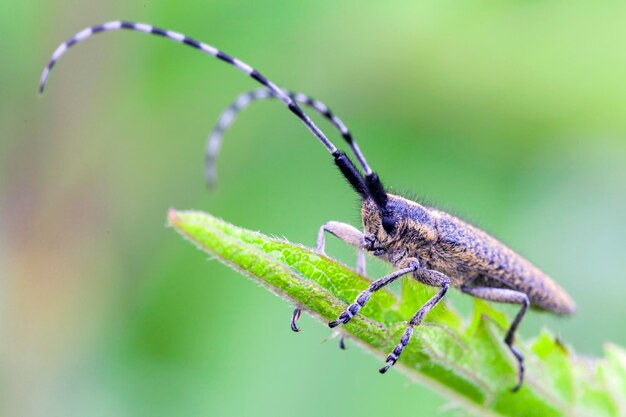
412, 236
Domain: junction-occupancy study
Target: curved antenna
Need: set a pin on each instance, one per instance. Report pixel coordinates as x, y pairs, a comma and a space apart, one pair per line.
344, 164
227, 118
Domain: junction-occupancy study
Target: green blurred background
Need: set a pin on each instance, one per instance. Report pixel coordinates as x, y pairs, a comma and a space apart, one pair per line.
510, 114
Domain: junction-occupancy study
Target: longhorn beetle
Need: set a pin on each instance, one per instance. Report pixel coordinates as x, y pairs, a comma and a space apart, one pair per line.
431, 246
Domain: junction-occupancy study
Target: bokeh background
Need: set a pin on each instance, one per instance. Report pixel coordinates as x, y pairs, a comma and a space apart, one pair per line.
510, 114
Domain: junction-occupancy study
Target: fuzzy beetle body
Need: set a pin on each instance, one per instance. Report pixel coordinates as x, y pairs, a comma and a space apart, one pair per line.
463, 252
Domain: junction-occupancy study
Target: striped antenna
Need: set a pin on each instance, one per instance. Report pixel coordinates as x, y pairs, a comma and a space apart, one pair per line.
344, 164
226, 119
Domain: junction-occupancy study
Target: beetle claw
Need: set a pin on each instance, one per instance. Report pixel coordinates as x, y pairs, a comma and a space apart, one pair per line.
294, 319
342, 343
390, 363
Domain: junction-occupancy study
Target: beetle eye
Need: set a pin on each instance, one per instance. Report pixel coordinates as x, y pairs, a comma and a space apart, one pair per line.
389, 224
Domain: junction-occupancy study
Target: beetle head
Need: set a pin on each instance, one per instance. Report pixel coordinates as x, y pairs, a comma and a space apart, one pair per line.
400, 224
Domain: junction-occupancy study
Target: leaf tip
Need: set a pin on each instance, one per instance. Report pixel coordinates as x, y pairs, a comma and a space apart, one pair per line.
172, 217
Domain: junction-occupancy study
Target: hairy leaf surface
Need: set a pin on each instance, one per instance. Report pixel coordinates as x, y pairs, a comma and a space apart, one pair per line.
464, 360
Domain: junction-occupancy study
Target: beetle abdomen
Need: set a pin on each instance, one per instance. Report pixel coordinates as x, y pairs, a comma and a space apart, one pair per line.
480, 257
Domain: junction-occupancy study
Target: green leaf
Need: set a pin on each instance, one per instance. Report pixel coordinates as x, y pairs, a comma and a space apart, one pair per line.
466, 362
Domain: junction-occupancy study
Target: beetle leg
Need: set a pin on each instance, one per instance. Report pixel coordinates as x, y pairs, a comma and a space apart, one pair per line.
348, 234
365, 295
503, 295
360, 262
429, 277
